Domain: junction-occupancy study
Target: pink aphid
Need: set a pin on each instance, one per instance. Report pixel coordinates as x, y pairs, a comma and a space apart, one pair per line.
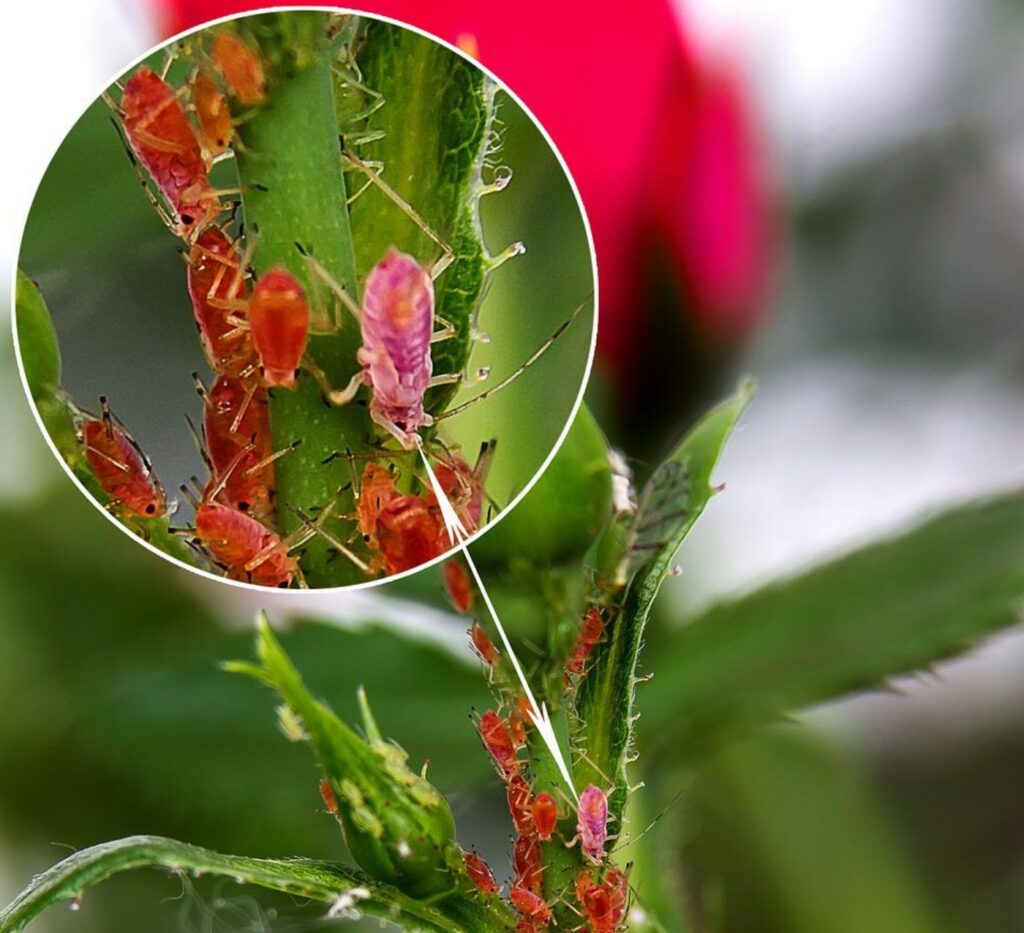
397, 325
592, 822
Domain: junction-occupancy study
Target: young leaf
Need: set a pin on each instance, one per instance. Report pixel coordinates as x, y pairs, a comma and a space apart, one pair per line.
669, 505
886, 609
348, 891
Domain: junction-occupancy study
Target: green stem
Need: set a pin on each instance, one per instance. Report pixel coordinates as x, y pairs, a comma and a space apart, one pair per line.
289, 166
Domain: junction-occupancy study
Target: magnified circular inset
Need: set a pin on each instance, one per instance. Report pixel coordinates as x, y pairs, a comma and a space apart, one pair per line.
293, 280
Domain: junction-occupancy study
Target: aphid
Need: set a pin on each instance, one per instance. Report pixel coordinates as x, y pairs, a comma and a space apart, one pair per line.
397, 322
483, 645
376, 491
516, 729
165, 143
327, 793
591, 632
241, 68
479, 871
592, 822
603, 904
410, 533
498, 742
524, 710
519, 800
236, 428
460, 589
217, 127
544, 811
120, 466
279, 321
217, 292
527, 863
464, 485
531, 906
248, 550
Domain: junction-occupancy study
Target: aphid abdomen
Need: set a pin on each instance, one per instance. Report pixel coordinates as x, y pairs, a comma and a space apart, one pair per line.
397, 324
165, 143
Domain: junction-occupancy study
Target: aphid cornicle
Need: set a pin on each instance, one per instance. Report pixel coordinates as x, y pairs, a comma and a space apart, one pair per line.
120, 466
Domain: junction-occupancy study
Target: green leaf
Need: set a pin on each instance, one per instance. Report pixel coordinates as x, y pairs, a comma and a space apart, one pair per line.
347, 890
565, 511
436, 111
37, 340
669, 505
889, 608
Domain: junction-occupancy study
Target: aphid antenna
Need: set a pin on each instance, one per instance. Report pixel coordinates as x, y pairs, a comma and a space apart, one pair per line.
447, 253
583, 756
270, 458
337, 289
225, 478
527, 363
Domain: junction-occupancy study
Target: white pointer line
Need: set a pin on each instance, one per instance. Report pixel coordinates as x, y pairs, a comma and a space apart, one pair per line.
539, 713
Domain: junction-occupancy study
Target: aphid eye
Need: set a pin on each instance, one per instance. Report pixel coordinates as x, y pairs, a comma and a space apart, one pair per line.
188, 219
243, 506
150, 509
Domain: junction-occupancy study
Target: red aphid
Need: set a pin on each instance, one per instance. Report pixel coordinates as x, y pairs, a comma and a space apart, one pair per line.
240, 67
479, 871
592, 822
516, 729
376, 491
463, 485
215, 123
165, 143
458, 585
218, 295
248, 550
524, 710
544, 811
527, 863
591, 632
409, 533
499, 743
531, 906
603, 904
397, 323
279, 320
519, 800
327, 793
236, 427
483, 645
121, 468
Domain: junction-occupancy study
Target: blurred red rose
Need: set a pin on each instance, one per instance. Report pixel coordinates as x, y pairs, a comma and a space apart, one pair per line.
659, 143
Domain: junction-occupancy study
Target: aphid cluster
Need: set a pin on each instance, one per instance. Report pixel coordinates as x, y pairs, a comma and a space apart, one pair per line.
600, 893
254, 329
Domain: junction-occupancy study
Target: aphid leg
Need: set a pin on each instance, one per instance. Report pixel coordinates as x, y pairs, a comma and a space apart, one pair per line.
218, 488
444, 379
336, 288
527, 363
447, 331
270, 458
335, 397
250, 393
509, 252
316, 527
447, 253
